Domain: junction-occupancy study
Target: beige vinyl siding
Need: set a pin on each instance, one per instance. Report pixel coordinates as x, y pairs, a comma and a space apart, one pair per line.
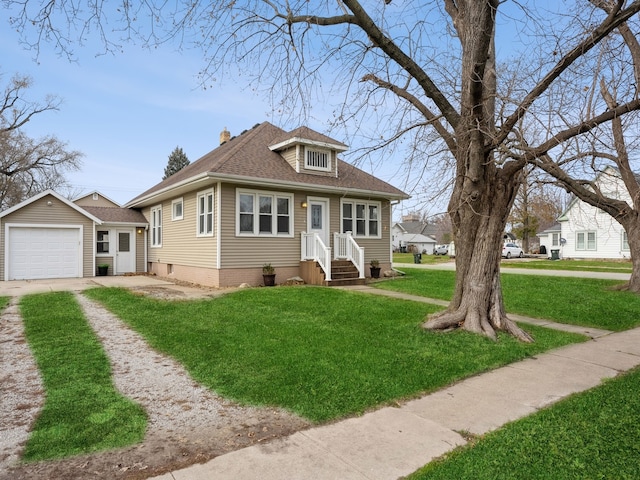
239, 252
39, 213
140, 264
88, 201
245, 251
291, 156
180, 244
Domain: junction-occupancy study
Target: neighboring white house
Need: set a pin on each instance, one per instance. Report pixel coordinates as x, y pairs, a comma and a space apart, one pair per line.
587, 231
418, 234
550, 239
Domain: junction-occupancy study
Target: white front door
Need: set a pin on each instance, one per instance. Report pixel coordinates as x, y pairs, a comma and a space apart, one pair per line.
125, 252
318, 218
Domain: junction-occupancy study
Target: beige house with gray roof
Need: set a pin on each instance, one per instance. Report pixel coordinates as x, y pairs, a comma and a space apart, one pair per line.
266, 196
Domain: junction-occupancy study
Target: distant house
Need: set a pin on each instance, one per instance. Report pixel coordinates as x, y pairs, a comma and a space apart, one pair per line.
509, 237
413, 235
550, 239
266, 196
587, 231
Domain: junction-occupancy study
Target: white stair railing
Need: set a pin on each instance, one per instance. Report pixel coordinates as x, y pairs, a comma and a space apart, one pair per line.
346, 248
313, 248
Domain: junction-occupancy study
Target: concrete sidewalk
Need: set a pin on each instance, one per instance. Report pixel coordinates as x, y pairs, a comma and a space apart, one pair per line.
523, 271
18, 288
395, 441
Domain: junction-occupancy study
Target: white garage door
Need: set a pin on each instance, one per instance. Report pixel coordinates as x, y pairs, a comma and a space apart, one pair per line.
43, 253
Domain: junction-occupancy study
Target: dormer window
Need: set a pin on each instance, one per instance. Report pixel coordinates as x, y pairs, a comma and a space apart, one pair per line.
316, 159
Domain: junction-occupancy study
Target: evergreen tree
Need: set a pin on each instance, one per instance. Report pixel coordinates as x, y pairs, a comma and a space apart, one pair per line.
177, 161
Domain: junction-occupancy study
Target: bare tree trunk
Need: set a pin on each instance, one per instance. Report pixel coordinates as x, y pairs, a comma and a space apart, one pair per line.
483, 193
632, 227
477, 305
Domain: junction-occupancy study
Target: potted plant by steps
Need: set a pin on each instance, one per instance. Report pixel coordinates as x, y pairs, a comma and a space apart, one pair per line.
103, 269
268, 275
374, 266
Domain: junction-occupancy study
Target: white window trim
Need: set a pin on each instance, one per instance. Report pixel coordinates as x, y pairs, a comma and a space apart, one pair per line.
586, 241
154, 227
320, 150
256, 213
205, 194
367, 204
175, 217
109, 236
623, 247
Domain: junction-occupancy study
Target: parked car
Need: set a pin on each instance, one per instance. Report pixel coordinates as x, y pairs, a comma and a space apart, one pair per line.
441, 250
512, 250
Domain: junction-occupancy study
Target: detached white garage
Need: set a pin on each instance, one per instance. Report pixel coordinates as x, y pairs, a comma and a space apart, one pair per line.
44, 251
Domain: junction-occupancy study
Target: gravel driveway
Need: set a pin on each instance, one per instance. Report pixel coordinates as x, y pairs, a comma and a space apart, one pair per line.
187, 422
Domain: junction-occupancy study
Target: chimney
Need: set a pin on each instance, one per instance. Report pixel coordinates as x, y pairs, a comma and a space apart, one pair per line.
411, 217
225, 136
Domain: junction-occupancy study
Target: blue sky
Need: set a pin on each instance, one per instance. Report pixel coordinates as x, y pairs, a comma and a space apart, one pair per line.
127, 112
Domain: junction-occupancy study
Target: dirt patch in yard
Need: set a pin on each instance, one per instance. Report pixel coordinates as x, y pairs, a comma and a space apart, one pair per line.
187, 423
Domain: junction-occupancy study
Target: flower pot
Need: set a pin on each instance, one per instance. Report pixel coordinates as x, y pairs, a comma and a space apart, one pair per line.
103, 270
269, 279
375, 272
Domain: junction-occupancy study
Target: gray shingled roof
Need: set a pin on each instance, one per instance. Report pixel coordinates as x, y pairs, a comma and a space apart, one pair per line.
307, 134
419, 228
117, 215
248, 157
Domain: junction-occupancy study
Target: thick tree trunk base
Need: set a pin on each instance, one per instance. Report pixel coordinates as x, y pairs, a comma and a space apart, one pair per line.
460, 318
626, 287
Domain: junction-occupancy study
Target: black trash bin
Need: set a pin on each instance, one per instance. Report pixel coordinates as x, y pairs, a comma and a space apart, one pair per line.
403, 249
555, 254
417, 258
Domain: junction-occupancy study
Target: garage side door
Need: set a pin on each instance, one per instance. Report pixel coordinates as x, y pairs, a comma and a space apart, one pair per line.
36, 252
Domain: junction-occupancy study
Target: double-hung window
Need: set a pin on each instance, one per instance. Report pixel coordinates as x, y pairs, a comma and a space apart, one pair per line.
156, 226
555, 239
586, 241
362, 218
264, 213
102, 242
205, 213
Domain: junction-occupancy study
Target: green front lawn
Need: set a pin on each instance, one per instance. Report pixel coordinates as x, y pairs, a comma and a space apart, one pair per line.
322, 353
589, 435
620, 266
576, 301
426, 258
83, 412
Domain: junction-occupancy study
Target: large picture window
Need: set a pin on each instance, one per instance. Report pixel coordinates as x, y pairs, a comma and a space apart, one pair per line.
156, 226
205, 213
361, 218
264, 213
